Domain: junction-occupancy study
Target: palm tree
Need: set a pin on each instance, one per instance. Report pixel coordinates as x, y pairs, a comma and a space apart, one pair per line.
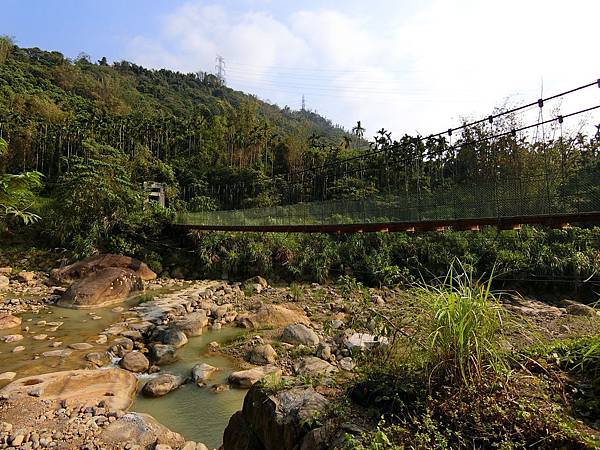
358, 130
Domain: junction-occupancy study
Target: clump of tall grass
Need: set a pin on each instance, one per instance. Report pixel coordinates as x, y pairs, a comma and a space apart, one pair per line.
463, 322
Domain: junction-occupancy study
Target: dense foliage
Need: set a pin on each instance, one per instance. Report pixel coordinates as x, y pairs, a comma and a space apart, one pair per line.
204, 131
540, 258
97, 132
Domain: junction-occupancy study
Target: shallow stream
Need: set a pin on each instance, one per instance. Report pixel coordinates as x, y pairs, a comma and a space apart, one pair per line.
198, 413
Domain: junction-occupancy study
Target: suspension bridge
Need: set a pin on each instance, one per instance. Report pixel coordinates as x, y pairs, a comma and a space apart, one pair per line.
430, 184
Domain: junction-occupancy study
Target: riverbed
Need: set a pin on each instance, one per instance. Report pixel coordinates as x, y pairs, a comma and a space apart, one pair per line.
198, 413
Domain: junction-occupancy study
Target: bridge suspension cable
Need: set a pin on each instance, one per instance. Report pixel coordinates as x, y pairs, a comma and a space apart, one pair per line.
539, 102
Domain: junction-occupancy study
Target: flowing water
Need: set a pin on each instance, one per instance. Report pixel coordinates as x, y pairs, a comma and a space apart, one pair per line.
198, 413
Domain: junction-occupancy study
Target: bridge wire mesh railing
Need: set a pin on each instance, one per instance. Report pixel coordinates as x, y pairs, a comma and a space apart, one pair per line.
534, 195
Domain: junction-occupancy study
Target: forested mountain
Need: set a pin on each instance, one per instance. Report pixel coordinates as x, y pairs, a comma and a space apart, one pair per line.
200, 130
86, 136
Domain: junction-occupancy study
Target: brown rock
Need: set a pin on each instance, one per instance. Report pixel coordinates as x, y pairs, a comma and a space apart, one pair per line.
275, 316
246, 378
135, 362
162, 385
25, 277
101, 288
87, 266
9, 321
192, 324
262, 354
578, 309
141, 430
257, 280
115, 387
202, 372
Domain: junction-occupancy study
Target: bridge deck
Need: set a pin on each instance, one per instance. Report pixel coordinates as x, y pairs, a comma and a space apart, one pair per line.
550, 220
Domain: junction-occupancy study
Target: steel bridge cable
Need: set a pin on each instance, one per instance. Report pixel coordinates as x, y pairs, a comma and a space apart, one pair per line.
301, 181
439, 152
462, 127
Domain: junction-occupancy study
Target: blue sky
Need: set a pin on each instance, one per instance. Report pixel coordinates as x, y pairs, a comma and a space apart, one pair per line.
408, 66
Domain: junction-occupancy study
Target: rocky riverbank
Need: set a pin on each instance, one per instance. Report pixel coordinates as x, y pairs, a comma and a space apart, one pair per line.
304, 342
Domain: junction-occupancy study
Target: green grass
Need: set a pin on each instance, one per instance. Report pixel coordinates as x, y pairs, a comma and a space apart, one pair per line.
464, 322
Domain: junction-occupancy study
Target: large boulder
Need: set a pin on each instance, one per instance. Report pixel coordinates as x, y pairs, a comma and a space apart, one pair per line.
578, 309
162, 385
102, 288
298, 333
87, 266
313, 366
9, 321
135, 362
246, 378
140, 430
192, 325
115, 387
279, 421
163, 354
276, 316
262, 354
169, 336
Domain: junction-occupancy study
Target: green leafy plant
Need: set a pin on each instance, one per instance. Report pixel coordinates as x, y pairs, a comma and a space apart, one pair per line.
296, 292
17, 196
465, 322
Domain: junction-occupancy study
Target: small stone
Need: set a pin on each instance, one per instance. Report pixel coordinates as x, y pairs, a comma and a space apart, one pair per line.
17, 439
17, 349
7, 376
324, 351
202, 372
246, 378
564, 329
25, 277
58, 353
81, 346
102, 339
378, 300
346, 364
162, 385
40, 337
311, 365
12, 338
9, 321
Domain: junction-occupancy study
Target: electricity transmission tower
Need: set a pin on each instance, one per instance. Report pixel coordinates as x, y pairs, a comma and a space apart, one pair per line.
303, 103
220, 68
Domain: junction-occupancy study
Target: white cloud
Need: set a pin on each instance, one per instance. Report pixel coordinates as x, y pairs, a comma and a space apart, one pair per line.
405, 68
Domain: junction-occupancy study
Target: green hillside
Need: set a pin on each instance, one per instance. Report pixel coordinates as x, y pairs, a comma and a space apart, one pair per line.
204, 131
